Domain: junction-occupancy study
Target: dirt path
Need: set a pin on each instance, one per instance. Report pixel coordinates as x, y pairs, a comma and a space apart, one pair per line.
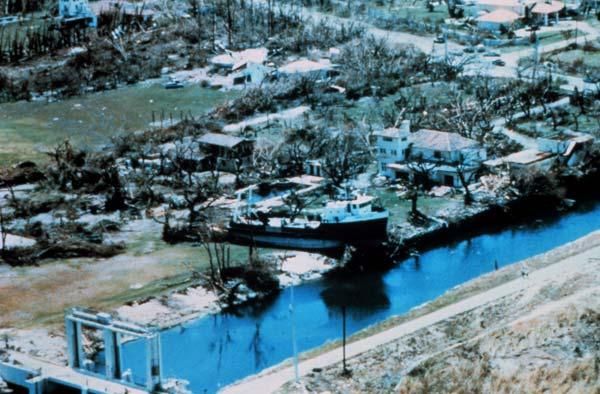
587, 258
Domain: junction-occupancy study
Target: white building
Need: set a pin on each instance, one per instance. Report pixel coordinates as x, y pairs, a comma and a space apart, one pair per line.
400, 152
73, 10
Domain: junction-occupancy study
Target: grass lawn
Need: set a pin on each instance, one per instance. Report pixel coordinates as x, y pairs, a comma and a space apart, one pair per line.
400, 208
545, 38
29, 128
576, 61
419, 13
588, 123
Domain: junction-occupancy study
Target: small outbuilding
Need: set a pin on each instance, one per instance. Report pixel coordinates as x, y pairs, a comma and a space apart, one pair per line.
229, 153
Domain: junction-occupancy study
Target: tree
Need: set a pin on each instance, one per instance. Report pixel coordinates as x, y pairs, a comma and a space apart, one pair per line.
466, 174
421, 170
300, 145
3, 232
454, 11
345, 156
296, 204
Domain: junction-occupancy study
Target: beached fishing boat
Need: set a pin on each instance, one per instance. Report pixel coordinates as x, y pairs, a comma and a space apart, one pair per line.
351, 221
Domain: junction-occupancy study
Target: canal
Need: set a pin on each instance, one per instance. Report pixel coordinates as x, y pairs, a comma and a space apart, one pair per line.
217, 350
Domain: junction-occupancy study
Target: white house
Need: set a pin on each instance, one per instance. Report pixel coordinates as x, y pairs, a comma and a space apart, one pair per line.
400, 153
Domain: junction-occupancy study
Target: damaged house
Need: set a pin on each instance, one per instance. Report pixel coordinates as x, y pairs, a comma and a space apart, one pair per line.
570, 148
227, 152
400, 153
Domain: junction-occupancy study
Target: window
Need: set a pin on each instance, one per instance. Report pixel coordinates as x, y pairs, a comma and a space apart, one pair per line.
437, 154
388, 139
382, 150
394, 152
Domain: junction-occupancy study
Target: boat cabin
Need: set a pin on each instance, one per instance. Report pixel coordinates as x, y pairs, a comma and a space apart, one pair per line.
339, 210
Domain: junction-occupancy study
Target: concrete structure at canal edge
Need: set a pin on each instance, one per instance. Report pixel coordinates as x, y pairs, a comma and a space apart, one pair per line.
113, 333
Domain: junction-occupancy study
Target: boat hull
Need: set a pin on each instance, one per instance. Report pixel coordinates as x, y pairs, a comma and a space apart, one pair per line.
327, 236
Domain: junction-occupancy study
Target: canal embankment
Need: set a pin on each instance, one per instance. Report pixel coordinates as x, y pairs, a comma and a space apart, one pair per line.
550, 291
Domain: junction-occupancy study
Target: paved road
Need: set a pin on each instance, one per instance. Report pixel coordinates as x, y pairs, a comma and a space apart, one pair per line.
271, 380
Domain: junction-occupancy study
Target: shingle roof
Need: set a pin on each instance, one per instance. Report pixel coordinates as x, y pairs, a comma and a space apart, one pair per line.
224, 140
441, 140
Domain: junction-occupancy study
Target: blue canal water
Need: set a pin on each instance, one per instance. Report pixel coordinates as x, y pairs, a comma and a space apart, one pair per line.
215, 351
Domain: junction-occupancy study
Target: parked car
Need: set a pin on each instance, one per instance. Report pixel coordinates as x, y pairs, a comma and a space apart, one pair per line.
439, 40
499, 62
480, 48
469, 50
491, 54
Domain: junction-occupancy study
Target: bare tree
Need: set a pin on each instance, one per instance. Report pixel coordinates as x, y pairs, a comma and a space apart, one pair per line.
3, 232
420, 178
297, 203
466, 174
345, 157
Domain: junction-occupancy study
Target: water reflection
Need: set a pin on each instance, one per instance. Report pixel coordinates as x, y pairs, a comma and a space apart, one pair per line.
362, 295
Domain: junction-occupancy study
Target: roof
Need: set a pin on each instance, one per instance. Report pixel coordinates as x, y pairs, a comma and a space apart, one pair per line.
233, 59
391, 132
224, 140
437, 168
15, 241
524, 157
441, 140
126, 6
500, 3
499, 16
547, 8
303, 66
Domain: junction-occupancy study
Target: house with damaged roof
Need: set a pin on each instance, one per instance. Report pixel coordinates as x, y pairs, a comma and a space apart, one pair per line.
401, 153
227, 152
